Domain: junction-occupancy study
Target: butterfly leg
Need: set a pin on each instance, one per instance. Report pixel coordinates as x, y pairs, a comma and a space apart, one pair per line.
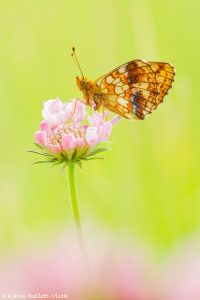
73, 111
104, 112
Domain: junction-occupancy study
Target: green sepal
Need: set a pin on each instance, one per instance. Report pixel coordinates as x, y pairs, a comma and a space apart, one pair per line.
43, 161
78, 162
38, 145
63, 160
90, 158
98, 150
40, 153
58, 162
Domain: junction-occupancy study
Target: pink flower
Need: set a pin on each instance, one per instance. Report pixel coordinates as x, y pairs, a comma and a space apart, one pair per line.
180, 277
69, 133
115, 274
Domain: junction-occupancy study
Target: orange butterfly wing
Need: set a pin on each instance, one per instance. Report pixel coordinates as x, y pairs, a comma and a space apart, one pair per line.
136, 88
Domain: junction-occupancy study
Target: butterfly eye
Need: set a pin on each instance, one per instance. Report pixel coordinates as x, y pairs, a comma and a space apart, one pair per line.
85, 84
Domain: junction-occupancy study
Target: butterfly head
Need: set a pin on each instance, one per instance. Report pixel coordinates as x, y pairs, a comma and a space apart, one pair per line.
82, 83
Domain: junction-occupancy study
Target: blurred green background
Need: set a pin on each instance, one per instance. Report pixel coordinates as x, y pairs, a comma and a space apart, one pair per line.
147, 188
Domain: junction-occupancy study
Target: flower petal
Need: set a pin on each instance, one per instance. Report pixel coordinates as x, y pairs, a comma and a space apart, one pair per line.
54, 112
80, 143
55, 148
115, 120
76, 110
41, 137
105, 131
68, 141
92, 137
44, 125
96, 119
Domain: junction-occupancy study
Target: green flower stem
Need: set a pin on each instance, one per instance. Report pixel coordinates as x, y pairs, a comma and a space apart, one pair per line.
75, 207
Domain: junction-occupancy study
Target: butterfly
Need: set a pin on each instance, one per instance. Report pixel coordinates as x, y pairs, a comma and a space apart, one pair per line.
132, 90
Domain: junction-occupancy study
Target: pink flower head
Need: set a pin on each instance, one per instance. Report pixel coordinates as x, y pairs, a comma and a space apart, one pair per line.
69, 133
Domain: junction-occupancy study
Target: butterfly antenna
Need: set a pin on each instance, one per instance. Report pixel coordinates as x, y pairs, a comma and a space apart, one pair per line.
76, 61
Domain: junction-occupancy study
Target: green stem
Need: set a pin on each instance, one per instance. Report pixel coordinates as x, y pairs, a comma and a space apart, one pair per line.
75, 206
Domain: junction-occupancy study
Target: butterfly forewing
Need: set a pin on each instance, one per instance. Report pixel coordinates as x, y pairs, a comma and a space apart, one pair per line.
136, 88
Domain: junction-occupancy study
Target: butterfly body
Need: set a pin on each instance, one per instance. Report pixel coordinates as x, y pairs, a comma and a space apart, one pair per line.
132, 90
92, 92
